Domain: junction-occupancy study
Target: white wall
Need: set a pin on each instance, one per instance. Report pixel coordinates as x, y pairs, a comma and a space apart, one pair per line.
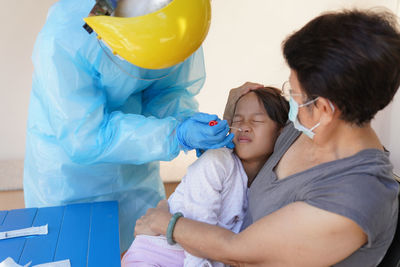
19, 27
243, 45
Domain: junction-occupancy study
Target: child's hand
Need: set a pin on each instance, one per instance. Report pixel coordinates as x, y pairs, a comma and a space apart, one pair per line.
155, 221
234, 95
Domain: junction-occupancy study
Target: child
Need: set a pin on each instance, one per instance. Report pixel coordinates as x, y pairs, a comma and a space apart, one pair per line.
214, 190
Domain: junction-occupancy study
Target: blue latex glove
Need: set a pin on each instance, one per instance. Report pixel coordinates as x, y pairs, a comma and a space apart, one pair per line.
195, 133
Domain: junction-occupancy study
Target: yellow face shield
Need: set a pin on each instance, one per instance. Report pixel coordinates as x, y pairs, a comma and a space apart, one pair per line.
157, 40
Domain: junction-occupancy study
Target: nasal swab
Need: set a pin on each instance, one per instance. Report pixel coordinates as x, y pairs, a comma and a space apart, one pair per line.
212, 123
236, 128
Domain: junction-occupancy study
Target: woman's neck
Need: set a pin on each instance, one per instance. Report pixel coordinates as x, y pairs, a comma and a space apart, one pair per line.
345, 140
252, 167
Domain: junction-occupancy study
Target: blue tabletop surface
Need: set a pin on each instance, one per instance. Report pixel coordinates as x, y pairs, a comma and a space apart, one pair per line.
86, 234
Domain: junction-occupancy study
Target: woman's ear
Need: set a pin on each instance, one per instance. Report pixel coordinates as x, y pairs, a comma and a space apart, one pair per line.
327, 110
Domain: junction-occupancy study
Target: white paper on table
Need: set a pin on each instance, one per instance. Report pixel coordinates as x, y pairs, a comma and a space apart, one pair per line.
35, 230
63, 263
9, 262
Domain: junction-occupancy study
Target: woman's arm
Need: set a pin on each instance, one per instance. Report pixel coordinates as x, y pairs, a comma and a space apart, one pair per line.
296, 235
234, 95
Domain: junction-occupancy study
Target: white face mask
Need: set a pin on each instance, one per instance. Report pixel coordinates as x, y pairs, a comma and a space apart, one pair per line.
293, 113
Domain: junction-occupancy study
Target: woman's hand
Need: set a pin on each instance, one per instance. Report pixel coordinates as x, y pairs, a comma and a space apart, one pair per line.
155, 221
234, 95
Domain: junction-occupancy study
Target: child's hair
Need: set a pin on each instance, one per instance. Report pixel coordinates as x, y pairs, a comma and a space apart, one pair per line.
275, 104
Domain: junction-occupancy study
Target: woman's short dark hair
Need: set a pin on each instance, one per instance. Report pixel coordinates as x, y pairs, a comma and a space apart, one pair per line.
350, 57
276, 106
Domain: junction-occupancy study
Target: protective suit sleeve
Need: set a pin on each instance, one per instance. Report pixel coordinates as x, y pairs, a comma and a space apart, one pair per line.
174, 94
76, 106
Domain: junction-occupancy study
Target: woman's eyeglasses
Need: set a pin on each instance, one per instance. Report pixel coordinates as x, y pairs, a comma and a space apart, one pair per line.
287, 91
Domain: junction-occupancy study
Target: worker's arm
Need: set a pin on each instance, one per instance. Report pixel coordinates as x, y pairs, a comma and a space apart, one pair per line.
82, 116
174, 95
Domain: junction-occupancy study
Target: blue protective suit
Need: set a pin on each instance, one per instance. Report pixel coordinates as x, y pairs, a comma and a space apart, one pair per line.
95, 132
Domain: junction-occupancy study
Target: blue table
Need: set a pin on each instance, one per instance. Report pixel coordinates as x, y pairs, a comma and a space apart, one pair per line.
86, 234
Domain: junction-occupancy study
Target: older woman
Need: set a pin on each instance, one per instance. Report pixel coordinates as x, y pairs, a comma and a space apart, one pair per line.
326, 196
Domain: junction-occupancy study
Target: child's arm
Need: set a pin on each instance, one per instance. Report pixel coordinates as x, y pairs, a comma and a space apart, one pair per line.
198, 196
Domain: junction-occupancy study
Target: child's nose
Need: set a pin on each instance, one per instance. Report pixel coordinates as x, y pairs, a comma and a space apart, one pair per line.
245, 127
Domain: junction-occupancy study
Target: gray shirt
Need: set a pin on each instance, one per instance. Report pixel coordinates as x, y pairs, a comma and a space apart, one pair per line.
360, 187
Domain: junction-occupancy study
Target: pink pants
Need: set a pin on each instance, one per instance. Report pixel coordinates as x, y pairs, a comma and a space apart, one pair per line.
147, 251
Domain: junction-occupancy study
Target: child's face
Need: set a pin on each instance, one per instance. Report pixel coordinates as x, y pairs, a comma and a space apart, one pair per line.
256, 140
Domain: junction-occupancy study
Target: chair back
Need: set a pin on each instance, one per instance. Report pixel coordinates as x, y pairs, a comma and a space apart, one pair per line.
392, 256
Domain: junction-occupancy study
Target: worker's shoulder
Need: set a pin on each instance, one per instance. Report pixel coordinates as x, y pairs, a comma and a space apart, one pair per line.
65, 22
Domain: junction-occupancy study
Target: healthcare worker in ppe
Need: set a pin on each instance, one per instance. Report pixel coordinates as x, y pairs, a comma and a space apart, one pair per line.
105, 108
